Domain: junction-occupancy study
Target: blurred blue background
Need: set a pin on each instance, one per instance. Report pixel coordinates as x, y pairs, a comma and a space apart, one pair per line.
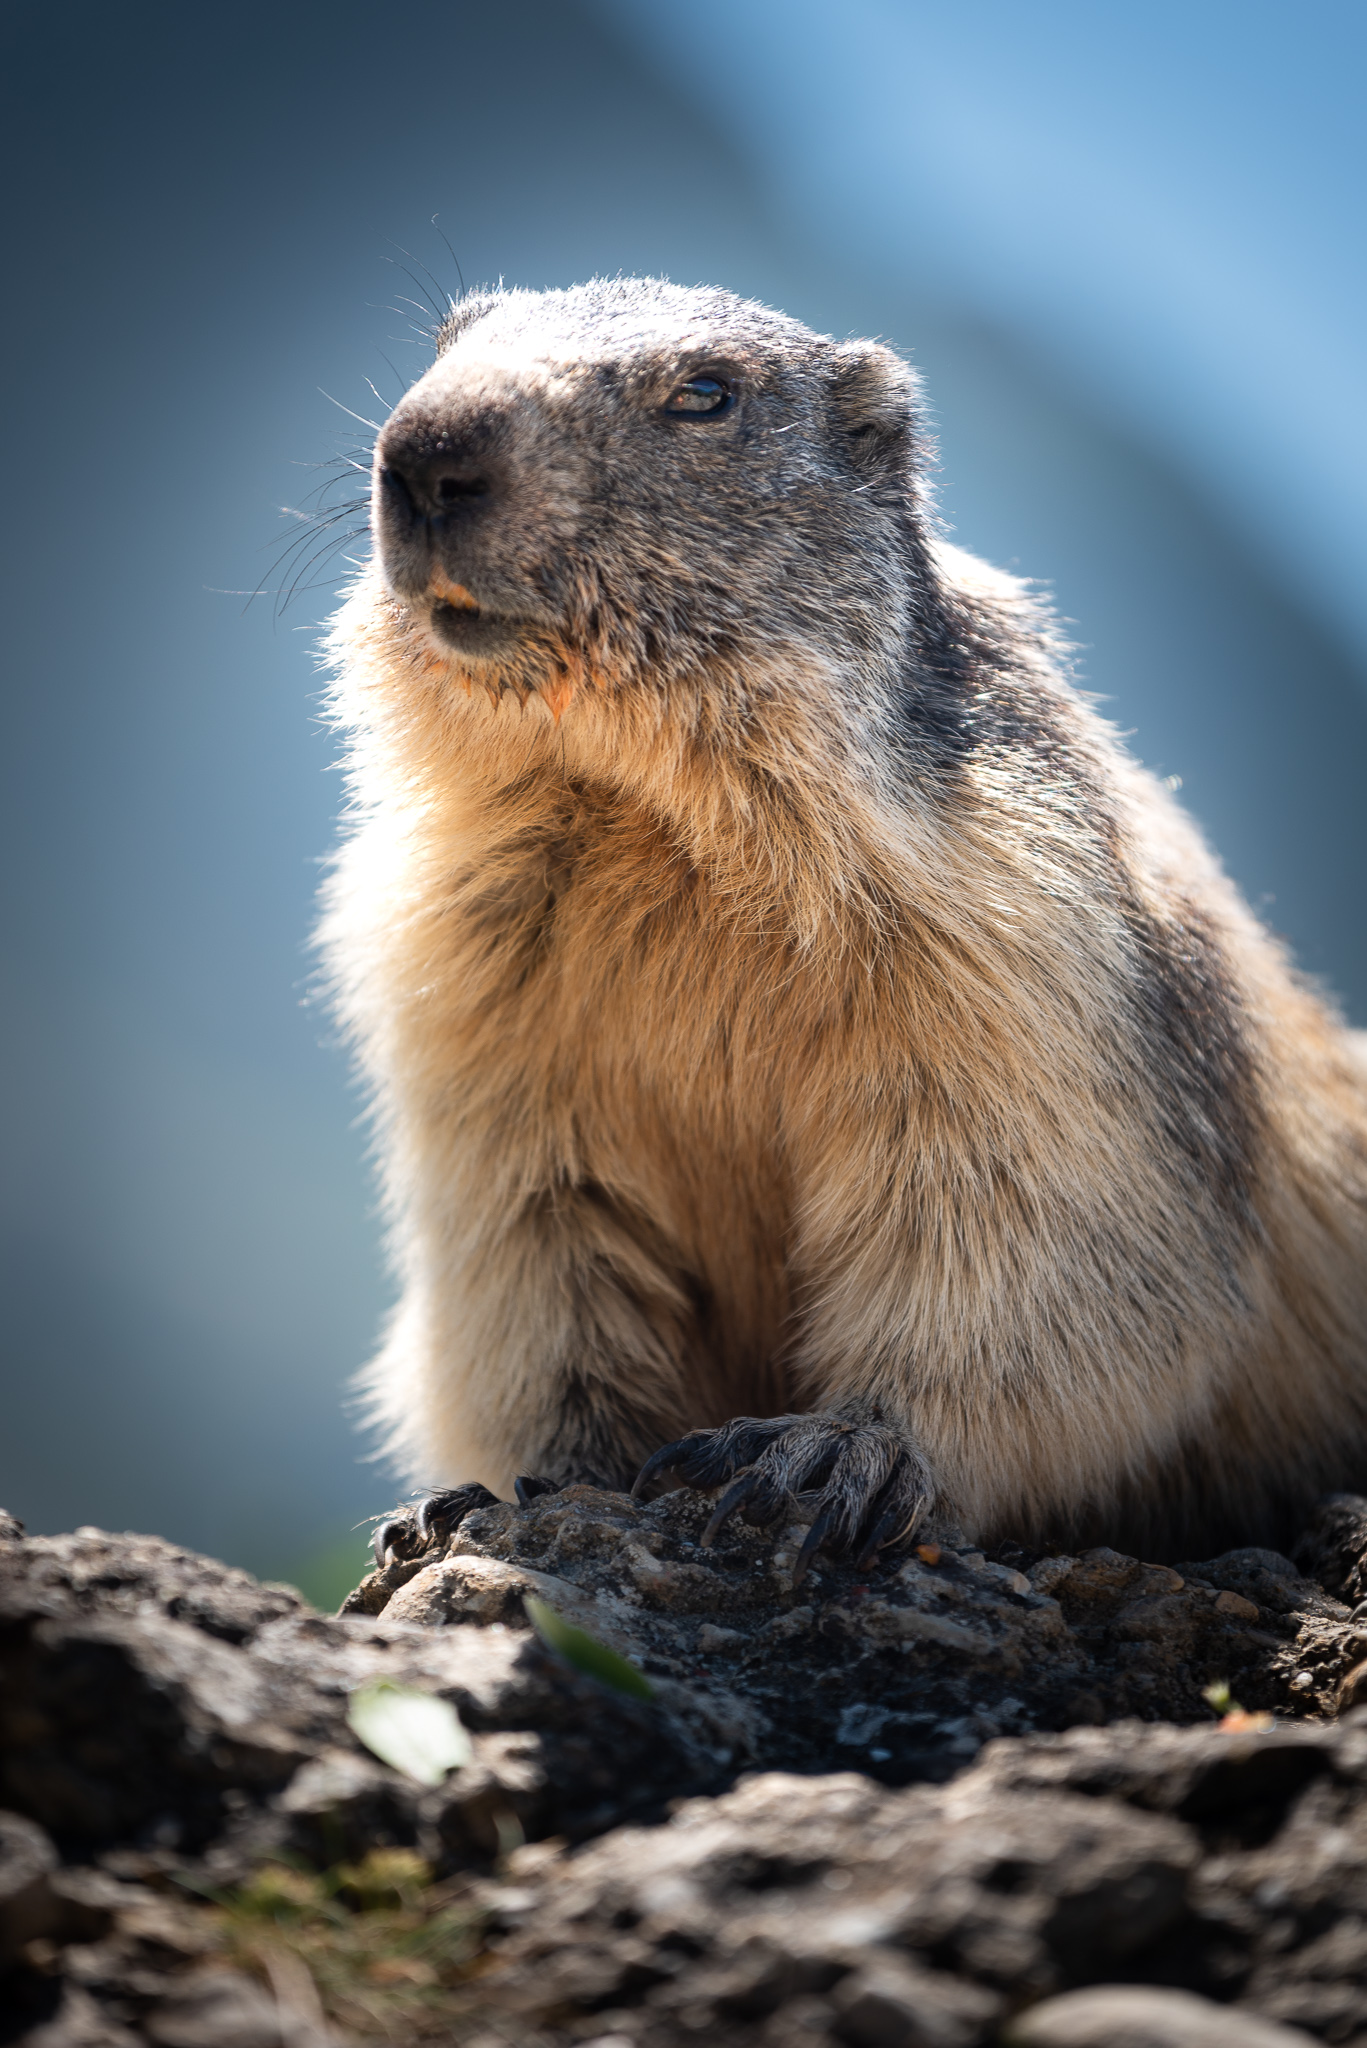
1125, 247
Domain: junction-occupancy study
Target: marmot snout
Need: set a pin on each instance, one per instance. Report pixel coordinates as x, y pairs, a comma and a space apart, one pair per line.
808, 1053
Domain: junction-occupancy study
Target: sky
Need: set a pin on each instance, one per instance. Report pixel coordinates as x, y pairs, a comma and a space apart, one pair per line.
1122, 248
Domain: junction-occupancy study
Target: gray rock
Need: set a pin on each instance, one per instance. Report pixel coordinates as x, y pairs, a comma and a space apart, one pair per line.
152, 1713
894, 2003
976, 1785
1333, 1549
93, 1572
1131, 2016
79, 2022
942, 1650
28, 1905
790, 1886
340, 1805
218, 2009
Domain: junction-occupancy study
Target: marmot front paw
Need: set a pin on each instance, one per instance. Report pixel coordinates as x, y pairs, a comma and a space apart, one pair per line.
866, 1481
430, 1521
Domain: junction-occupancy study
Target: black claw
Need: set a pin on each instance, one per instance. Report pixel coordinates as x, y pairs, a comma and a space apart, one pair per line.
441, 1514
887, 1508
384, 1533
662, 1460
529, 1488
811, 1543
735, 1496
767, 1502
893, 1514
884, 1530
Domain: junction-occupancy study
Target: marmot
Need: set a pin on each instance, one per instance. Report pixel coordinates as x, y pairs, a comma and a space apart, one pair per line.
807, 1051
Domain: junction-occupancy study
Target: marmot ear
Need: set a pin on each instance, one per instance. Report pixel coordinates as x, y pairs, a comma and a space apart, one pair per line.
873, 395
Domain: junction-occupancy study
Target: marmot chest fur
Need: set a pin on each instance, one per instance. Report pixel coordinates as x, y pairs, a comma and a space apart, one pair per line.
807, 1052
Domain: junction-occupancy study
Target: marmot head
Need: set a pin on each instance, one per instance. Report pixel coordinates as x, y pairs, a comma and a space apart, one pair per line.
643, 483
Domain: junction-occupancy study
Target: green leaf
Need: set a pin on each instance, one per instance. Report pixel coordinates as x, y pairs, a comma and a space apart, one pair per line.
416, 1732
585, 1652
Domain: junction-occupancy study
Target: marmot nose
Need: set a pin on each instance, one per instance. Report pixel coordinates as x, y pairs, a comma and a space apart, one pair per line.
428, 482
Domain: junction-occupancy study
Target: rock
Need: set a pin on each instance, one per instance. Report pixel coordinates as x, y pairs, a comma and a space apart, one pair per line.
1131, 2016
108, 1726
1239, 1783
28, 1905
790, 1886
482, 1590
893, 1807
892, 2003
92, 1572
79, 2022
767, 1913
944, 1655
217, 2009
1263, 1576
1333, 1549
340, 1805
162, 1718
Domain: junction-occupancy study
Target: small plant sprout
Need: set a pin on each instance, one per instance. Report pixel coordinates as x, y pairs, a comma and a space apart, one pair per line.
585, 1652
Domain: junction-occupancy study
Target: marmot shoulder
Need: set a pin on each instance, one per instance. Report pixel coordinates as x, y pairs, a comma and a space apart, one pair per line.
808, 1053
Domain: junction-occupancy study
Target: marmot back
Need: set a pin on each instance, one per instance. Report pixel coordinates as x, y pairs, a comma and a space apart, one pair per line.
807, 1052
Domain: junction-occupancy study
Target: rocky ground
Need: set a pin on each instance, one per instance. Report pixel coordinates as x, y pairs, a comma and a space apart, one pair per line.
956, 1800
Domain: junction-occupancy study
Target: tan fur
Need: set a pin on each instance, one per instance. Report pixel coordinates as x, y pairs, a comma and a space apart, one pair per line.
726, 1073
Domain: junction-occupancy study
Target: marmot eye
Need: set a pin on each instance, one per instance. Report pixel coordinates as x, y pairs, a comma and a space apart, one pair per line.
701, 395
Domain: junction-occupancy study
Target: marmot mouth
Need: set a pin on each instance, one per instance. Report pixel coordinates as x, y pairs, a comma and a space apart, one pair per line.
465, 629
